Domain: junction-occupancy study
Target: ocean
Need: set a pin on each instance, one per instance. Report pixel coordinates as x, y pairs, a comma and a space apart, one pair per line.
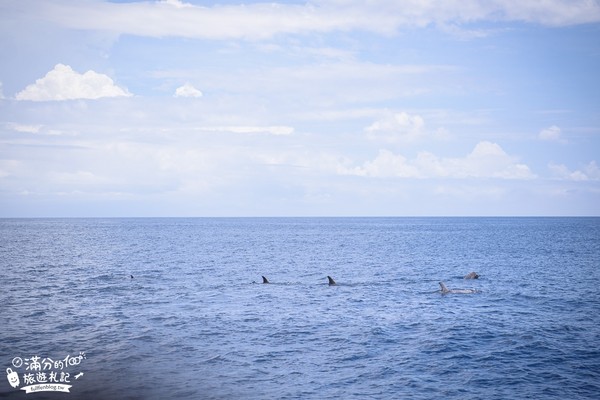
157, 308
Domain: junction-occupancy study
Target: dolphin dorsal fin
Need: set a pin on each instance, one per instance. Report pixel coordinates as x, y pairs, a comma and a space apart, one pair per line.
265, 280
444, 288
331, 281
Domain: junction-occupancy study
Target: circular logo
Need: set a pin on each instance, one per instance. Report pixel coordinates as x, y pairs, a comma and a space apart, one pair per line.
17, 362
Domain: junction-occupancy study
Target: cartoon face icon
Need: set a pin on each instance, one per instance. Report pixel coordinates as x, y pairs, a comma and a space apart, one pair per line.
13, 378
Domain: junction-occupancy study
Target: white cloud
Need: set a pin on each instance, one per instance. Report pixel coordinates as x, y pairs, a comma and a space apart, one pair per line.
388, 164
403, 127
177, 3
1, 92
187, 90
487, 160
551, 134
24, 128
264, 20
395, 127
465, 34
38, 129
62, 83
272, 130
588, 172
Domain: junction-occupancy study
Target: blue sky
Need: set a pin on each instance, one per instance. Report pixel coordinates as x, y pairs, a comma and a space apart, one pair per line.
304, 108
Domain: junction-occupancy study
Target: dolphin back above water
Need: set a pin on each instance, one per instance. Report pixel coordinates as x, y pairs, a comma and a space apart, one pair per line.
472, 275
331, 281
445, 290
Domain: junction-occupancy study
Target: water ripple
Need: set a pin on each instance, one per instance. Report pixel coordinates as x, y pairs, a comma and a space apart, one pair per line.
191, 324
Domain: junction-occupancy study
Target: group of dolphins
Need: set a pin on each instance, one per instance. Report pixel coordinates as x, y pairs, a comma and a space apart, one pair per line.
443, 288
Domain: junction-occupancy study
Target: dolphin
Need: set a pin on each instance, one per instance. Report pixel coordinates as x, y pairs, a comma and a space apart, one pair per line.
445, 290
331, 281
265, 280
472, 275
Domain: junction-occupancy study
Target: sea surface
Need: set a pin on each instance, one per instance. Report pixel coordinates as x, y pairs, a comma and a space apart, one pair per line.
193, 324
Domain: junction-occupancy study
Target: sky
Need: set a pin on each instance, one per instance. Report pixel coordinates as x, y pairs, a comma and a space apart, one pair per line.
299, 108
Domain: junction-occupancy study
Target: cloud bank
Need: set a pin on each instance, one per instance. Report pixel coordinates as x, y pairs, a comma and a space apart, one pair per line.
62, 83
590, 172
265, 20
487, 160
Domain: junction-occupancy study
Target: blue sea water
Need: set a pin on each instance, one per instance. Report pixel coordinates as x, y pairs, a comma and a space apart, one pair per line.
191, 324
